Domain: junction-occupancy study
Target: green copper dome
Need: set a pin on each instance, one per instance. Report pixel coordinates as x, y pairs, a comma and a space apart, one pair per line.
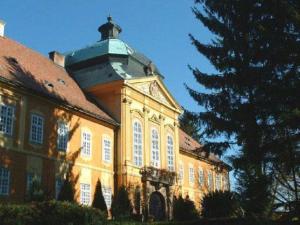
108, 59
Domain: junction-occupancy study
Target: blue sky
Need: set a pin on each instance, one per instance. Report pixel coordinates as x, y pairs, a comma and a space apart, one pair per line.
157, 28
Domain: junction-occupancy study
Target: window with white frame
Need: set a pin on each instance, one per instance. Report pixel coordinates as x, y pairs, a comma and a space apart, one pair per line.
218, 181
4, 181
225, 183
86, 144
6, 119
155, 159
30, 178
201, 176
58, 185
170, 152
107, 194
180, 173
85, 194
210, 182
62, 136
106, 149
37, 129
191, 175
137, 144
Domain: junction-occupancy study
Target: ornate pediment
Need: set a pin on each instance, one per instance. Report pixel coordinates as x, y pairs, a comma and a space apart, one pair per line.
153, 89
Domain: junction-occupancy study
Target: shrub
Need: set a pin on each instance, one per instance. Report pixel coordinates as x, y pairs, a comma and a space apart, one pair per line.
50, 213
99, 201
67, 191
121, 205
184, 209
220, 204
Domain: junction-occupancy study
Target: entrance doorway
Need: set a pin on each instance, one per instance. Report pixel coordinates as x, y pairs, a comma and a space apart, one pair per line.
157, 206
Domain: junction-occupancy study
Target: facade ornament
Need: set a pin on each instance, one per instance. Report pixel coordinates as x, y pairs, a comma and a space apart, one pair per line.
154, 90
127, 101
161, 117
146, 109
155, 119
138, 112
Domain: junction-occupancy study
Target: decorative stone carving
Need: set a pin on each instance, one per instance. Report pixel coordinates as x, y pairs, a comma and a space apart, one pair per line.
154, 90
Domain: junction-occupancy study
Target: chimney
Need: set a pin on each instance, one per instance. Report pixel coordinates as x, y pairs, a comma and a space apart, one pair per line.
2, 25
57, 58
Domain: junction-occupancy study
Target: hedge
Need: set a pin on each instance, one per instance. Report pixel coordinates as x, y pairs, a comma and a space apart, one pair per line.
50, 213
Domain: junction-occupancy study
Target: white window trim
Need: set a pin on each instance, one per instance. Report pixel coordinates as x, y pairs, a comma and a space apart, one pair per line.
142, 143
106, 138
191, 181
181, 167
151, 144
68, 128
91, 144
8, 182
203, 179
12, 119
171, 167
107, 190
42, 132
89, 194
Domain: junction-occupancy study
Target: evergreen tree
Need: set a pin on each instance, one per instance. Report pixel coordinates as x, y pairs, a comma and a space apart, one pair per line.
253, 101
189, 123
184, 209
121, 205
220, 204
67, 191
99, 201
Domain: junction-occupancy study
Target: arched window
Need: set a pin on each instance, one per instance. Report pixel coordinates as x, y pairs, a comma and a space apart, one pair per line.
155, 159
170, 153
137, 144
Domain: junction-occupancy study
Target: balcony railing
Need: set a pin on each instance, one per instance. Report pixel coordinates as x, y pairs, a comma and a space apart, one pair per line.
152, 174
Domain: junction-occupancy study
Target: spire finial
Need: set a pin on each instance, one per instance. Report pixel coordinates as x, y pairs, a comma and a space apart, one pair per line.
109, 30
109, 18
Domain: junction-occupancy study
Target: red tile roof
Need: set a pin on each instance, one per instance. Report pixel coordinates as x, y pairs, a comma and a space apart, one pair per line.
188, 144
23, 66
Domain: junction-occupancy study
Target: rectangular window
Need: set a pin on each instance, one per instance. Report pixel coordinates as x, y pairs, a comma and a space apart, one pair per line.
201, 176
191, 175
137, 144
37, 129
180, 174
30, 177
170, 153
62, 136
218, 182
155, 158
85, 194
106, 149
58, 185
6, 119
4, 181
210, 181
107, 194
86, 144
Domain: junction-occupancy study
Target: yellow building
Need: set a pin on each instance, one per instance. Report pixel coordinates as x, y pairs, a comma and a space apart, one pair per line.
100, 112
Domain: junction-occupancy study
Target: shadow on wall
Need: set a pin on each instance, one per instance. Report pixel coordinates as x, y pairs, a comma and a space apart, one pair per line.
58, 164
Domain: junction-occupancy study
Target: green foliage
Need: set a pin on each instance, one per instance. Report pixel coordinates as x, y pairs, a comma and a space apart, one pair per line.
220, 204
67, 191
121, 205
251, 100
49, 213
184, 209
189, 123
36, 192
99, 201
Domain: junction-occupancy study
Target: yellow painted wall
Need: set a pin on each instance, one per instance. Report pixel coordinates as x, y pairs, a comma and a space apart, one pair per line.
21, 156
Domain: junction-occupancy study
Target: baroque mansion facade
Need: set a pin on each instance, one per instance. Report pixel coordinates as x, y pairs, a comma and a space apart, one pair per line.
99, 112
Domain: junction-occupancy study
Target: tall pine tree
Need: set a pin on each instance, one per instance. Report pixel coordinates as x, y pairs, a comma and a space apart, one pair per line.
189, 123
99, 201
254, 94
